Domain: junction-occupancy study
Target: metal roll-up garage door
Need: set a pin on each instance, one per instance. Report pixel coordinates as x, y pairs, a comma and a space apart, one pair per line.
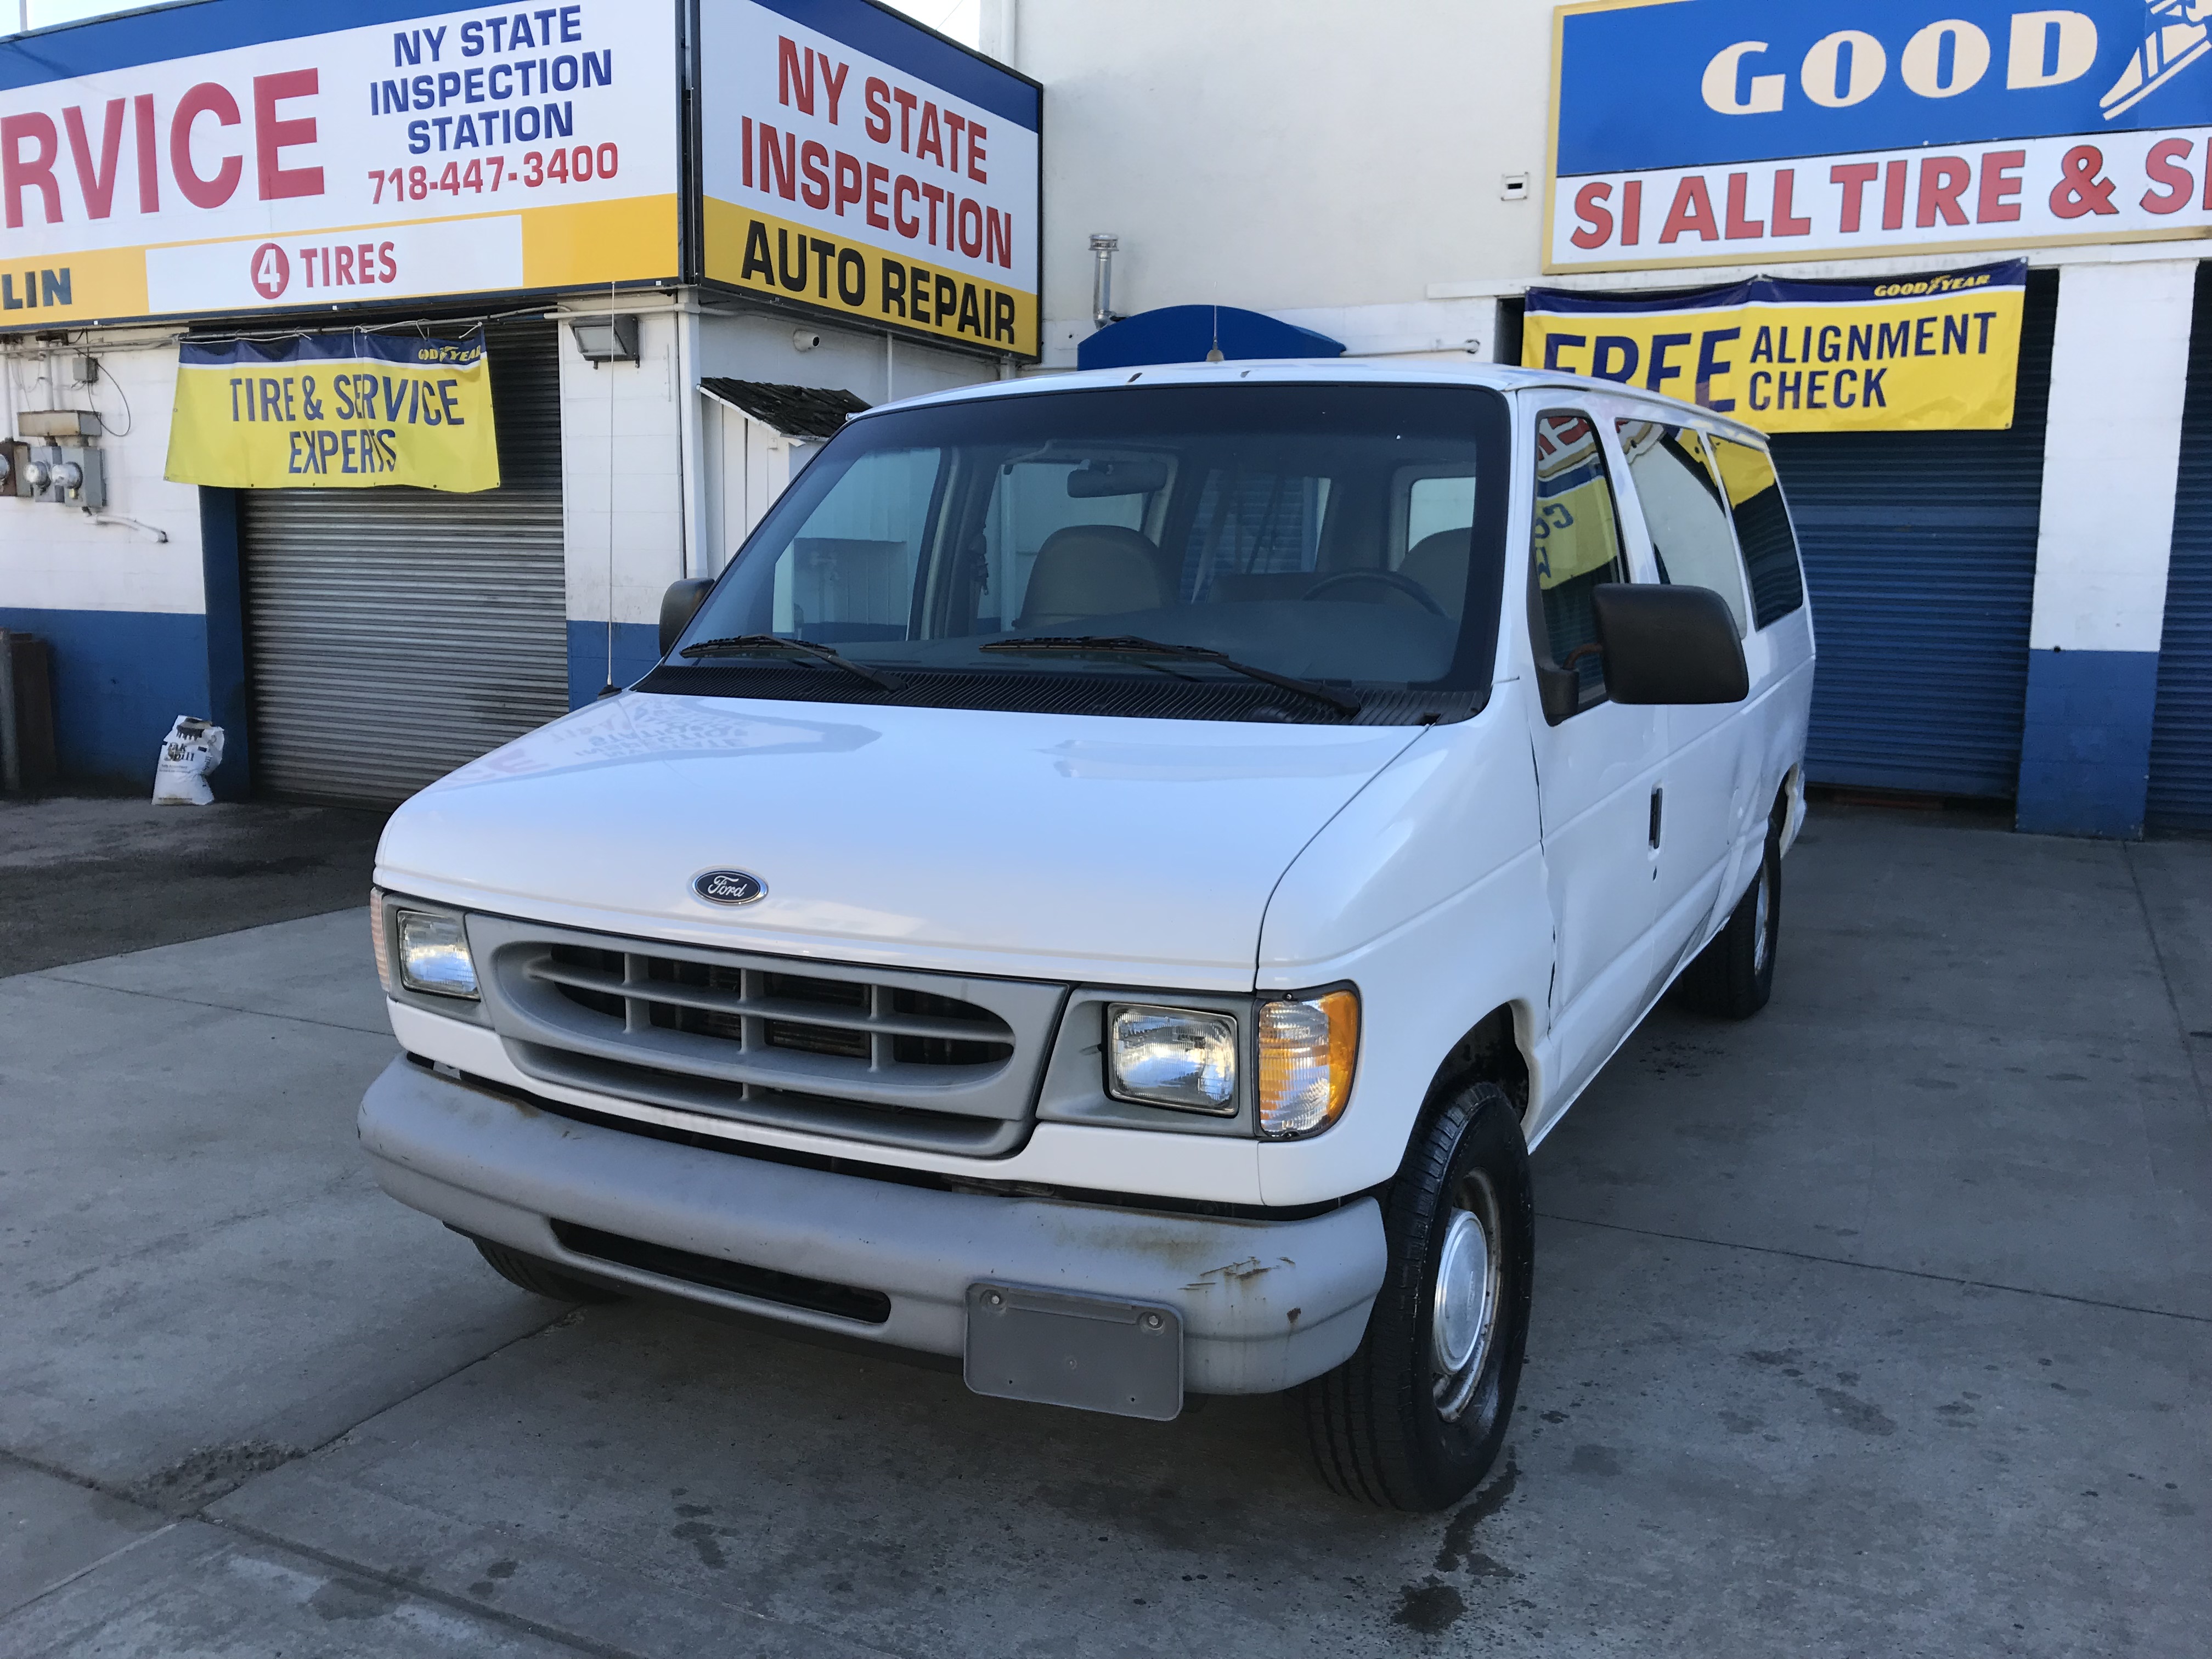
393, 634
1920, 554
2181, 736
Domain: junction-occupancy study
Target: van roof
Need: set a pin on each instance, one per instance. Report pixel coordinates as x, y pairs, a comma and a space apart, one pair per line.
1351, 371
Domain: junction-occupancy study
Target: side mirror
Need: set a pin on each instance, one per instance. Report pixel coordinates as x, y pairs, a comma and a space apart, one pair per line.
1668, 644
677, 607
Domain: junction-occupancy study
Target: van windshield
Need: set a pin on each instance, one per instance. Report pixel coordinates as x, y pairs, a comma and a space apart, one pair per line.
1024, 552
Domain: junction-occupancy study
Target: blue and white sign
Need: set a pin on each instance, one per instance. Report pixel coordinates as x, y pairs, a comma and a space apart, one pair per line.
1739, 132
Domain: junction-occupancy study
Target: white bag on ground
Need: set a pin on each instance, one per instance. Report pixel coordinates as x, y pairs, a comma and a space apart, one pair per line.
191, 750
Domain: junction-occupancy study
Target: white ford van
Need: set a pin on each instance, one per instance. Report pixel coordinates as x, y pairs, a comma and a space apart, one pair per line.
1111, 883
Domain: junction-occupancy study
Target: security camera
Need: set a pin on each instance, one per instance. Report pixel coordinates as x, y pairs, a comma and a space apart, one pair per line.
805, 339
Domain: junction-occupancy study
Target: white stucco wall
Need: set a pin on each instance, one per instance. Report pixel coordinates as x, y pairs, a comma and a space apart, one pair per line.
622, 497
2119, 368
1326, 163
61, 558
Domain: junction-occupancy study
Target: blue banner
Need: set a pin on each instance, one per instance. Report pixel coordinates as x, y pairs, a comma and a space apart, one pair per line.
1687, 84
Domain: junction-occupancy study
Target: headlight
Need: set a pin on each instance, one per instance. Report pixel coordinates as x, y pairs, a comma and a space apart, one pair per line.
1307, 1049
433, 954
1184, 1057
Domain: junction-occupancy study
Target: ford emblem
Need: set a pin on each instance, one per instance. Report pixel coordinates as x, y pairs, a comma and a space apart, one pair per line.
729, 886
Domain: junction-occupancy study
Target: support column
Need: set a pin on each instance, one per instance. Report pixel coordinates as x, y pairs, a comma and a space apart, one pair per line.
2119, 367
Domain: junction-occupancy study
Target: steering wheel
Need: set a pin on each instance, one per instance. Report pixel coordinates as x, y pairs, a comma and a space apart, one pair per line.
1391, 579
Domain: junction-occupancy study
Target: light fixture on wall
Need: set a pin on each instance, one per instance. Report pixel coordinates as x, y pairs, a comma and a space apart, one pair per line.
608, 339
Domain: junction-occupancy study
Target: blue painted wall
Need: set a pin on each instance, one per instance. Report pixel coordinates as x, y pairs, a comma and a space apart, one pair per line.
637, 649
120, 677
227, 703
2085, 755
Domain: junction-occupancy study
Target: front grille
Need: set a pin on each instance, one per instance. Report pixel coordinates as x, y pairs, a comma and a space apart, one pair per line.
923, 1060
852, 1019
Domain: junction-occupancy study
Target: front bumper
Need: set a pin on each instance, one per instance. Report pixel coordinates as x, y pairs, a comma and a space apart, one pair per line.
1265, 1304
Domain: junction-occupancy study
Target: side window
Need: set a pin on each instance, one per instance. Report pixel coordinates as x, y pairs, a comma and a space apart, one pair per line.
1576, 544
1762, 525
1682, 509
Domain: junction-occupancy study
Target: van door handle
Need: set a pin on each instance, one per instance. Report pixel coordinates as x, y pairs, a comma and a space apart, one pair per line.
1658, 814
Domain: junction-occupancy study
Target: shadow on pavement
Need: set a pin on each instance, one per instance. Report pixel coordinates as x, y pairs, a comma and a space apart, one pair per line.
86, 877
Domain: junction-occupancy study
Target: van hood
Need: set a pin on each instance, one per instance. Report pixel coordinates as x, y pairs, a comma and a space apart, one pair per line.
1078, 847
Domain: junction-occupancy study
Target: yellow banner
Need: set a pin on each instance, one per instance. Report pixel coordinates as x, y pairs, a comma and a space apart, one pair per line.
800, 265
335, 411
1927, 354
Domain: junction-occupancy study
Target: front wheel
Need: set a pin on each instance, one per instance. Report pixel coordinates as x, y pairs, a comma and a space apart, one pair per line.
1414, 1420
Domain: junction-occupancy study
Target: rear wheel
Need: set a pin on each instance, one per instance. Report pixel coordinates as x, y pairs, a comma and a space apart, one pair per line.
1733, 977
540, 1277
1414, 1420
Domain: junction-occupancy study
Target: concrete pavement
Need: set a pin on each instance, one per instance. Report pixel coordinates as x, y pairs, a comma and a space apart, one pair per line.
1879, 1324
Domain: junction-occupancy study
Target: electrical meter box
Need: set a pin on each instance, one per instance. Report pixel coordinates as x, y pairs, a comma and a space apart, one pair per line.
55, 459
69, 476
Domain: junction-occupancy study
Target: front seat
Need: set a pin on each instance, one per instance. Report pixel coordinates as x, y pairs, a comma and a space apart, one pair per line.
1438, 562
1089, 570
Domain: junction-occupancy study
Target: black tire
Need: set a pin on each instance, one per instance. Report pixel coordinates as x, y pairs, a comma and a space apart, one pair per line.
1379, 1431
540, 1277
1733, 977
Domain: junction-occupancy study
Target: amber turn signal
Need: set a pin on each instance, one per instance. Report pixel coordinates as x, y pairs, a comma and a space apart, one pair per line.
1307, 1051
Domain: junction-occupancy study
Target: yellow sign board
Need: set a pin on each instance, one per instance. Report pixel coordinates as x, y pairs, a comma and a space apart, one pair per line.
1927, 354
779, 258
350, 410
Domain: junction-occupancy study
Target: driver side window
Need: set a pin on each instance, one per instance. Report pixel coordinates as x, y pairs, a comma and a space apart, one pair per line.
1575, 546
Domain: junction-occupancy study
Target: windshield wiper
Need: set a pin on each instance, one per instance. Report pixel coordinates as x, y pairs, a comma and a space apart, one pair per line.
773, 645
1128, 645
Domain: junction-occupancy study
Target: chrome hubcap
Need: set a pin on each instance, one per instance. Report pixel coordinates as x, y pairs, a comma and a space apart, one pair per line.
1759, 945
1464, 1313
